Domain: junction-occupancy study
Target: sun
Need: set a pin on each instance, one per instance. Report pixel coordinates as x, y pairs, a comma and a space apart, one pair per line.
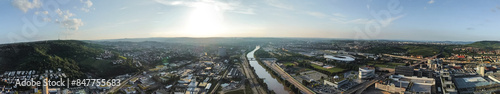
206, 20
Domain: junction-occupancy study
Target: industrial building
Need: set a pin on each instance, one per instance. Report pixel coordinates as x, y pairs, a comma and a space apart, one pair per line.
404, 70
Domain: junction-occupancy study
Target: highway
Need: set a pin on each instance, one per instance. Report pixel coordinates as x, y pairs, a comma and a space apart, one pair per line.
360, 88
289, 78
411, 58
433, 57
372, 82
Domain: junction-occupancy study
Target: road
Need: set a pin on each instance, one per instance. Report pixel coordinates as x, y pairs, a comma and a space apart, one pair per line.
123, 83
433, 57
363, 88
411, 58
289, 78
250, 76
219, 82
360, 88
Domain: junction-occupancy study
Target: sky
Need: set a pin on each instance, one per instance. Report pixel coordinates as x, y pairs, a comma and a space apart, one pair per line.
436, 20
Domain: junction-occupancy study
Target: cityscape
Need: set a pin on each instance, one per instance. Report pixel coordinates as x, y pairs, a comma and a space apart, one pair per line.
249, 47
257, 66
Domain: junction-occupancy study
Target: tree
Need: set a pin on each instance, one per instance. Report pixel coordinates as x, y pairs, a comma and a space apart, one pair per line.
305, 83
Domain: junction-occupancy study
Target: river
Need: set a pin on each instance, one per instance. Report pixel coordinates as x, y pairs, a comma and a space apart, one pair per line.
272, 83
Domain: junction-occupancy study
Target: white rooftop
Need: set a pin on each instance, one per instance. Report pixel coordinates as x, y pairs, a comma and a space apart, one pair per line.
340, 58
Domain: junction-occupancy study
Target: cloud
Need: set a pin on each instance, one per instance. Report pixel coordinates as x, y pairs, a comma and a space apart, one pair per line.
339, 18
430, 2
343, 19
47, 19
388, 21
86, 5
43, 12
64, 18
470, 28
123, 8
395, 18
85, 9
221, 5
71, 24
351, 21
26, 5
175, 2
339, 15
279, 4
66, 21
245, 11
64, 14
128, 22
317, 14
322, 15
359, 21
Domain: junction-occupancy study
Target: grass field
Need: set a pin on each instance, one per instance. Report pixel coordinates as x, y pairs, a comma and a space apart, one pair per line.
288, 64
331, 70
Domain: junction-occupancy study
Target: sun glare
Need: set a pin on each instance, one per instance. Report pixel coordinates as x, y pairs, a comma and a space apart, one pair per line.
205, 21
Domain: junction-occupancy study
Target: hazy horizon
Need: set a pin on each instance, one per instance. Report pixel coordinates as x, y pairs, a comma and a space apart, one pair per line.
152, 39
422, 20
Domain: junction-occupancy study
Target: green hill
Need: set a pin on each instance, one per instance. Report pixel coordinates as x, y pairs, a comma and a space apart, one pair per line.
75, 58
486, 44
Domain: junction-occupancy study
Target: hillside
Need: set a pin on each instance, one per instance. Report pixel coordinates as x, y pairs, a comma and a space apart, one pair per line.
486, 44
75, 58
